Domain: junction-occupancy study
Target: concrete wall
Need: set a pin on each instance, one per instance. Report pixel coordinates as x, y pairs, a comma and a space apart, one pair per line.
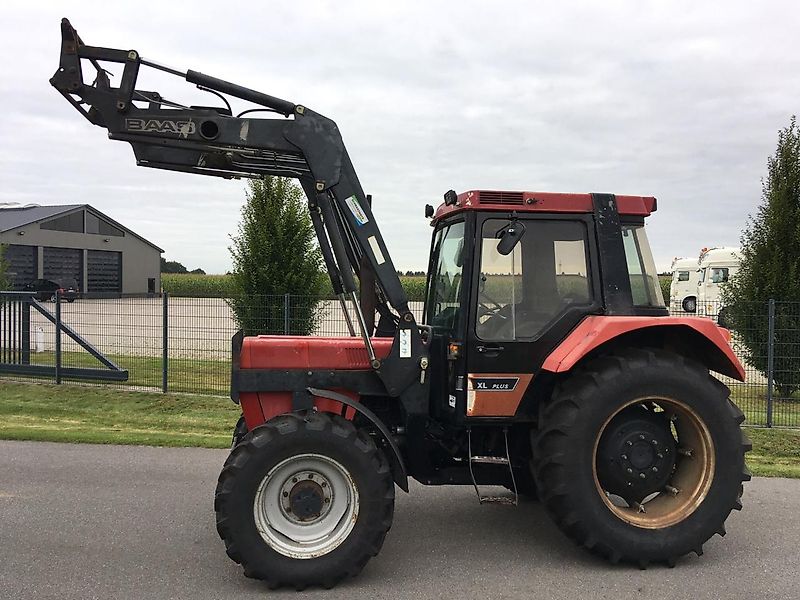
140, 261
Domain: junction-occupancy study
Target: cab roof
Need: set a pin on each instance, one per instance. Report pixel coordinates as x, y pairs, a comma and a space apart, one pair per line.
543, 202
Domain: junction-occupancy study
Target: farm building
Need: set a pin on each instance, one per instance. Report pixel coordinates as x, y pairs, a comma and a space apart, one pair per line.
75, 244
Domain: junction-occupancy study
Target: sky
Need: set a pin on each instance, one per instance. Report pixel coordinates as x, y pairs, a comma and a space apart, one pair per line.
678, 100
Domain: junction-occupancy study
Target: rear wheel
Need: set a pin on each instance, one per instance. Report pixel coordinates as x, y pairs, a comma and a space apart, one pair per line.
640, 457
304, 499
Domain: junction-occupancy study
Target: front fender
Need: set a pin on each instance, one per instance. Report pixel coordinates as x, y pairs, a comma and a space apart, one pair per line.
699, 338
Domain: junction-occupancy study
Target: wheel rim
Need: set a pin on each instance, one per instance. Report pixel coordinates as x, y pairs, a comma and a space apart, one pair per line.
672, 487
306, 506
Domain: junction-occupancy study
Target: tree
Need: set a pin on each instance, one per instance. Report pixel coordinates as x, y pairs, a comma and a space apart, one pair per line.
275, 253
172, 266
770, 268
5, 282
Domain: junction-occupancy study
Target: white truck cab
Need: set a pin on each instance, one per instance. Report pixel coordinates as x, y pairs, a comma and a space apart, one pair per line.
715, 268
683, 289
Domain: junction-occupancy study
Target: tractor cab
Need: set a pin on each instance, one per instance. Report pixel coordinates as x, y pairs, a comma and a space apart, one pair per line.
511, 274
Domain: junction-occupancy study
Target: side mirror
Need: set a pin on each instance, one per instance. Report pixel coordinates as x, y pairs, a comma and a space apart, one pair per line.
509, 236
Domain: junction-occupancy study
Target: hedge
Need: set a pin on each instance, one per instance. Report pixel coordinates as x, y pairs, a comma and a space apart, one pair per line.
189, 285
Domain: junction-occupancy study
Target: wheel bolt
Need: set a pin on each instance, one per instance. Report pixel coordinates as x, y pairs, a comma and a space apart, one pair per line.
327, 500
294, 479
285, 494
629, 443
324, 484
655, 442
642, 475
685, 451
629, 470
624, 457
655, 469
659, 455
311, 476
641, 436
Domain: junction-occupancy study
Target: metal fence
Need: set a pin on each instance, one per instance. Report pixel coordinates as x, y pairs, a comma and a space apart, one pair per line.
184, 344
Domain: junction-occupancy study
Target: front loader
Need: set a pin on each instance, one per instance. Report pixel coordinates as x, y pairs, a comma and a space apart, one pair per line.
545, 363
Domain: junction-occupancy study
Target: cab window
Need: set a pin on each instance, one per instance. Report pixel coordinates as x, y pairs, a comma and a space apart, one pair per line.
645, 288
719, 274
444, 287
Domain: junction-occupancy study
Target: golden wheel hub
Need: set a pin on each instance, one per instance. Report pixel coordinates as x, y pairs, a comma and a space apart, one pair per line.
629, 473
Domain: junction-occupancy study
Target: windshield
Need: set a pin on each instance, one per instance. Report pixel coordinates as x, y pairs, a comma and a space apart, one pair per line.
443, 302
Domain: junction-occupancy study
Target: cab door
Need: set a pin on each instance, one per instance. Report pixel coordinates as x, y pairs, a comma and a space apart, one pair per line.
446, 304
523, 304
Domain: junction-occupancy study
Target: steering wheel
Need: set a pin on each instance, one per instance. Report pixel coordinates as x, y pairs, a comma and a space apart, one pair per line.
484, 310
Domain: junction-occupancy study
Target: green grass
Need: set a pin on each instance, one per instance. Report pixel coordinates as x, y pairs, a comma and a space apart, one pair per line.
190, 375
104, 415
776, 452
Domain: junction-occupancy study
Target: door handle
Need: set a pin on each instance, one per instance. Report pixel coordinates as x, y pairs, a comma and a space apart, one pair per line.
489, 349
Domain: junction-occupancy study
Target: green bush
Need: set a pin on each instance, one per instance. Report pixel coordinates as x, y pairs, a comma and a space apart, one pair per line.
665, 281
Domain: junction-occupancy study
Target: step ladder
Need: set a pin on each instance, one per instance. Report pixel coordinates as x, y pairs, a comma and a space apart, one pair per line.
492, 460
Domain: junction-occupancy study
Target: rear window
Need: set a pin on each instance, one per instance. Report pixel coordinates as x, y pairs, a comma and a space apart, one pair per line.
645, 289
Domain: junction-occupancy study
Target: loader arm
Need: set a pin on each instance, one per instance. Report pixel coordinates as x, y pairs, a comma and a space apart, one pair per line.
213, 141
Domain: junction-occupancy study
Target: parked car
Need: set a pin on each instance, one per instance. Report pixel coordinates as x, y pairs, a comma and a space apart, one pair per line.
46, 289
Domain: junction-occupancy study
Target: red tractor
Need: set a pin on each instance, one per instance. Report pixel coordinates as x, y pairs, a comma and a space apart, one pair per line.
546, 361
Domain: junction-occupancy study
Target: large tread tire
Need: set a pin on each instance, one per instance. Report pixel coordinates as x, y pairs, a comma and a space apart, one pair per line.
239, 431
563, 451
266, 446
526, 485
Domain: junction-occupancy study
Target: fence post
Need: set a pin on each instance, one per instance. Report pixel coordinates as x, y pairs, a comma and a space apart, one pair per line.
286, 314
25, 331
164, 342
58, 337
770, 358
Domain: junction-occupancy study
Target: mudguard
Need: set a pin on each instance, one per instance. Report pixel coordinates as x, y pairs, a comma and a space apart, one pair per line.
395, 457
708, 342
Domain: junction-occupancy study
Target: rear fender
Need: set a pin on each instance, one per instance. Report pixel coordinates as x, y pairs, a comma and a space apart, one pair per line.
693, 337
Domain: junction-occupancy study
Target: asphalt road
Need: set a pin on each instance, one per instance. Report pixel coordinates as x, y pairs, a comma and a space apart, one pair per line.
80, 522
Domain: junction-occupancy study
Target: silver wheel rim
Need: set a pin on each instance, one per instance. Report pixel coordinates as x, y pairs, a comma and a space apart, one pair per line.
282, 501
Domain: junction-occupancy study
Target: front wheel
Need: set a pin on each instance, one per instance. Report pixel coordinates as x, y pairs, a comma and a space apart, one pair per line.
640, 457
690, 304
305, 499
